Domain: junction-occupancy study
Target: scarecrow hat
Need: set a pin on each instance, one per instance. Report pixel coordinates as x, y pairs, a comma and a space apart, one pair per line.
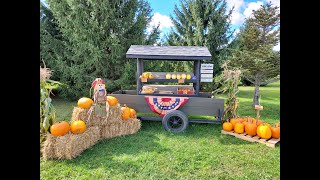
97, 81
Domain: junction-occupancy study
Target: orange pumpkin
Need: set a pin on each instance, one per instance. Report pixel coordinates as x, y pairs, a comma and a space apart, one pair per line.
85, 102
266, 124
112, 101
245, 121
275, 132
251, 129
151, 76
264, 131
60, 128
234, 121
255, 122
239, 128
277, 124
240, 119
78, 127
227, 126
125, 113
133, 113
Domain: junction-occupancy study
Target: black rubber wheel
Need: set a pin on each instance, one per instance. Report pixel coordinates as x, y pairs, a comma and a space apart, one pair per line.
175, 121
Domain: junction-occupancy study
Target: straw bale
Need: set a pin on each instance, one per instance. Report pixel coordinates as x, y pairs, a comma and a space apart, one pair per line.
70, 145
120, 128
96, 119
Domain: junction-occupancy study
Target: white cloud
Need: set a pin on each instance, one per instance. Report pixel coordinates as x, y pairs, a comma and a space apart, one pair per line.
236, 17
274, 2
165, 21
236, 3
252, 6
277, 47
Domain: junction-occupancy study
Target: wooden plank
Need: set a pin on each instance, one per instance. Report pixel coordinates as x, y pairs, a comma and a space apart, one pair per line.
262, 140
226, 132
256, 137
180, 80
273, 141
270, 143
144, 79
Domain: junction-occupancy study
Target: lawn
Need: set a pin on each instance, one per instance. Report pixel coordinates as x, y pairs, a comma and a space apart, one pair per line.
201, 152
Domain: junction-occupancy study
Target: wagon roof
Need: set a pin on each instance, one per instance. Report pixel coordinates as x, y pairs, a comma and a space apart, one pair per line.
168, 52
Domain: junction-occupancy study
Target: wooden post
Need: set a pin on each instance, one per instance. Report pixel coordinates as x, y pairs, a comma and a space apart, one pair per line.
194, 73
139, 72
197, 74
258, 108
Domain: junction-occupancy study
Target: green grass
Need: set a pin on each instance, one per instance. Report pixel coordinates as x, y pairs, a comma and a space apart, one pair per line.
202, 152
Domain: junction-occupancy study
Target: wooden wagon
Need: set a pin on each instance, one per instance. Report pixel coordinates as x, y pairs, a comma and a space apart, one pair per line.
197, 103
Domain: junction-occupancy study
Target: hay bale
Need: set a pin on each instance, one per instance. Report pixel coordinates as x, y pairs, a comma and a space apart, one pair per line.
70, 145
120, 128
79, 113
114, 114
48, 147
96, 119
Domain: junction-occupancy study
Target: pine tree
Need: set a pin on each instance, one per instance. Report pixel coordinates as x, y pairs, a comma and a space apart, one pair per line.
95, 37
255, 56
202, 23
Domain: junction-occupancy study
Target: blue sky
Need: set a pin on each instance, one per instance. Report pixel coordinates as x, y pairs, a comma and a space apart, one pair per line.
162, 9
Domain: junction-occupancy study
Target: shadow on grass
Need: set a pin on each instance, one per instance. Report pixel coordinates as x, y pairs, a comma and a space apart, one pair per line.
118, 153
195, 132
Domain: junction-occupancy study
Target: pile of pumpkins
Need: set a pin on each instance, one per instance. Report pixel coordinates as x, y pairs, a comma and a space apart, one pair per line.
147, 75
178, 76
127, 112
252, 127
61, 128
78, 127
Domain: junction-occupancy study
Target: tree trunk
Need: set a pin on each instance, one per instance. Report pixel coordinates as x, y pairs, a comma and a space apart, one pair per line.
256, 92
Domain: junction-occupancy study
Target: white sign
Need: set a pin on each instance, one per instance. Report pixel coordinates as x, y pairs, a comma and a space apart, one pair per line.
206, 75
206, 80
206, 66
206, 71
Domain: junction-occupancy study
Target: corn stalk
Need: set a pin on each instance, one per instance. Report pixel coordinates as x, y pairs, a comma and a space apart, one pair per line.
47, 111
229, 80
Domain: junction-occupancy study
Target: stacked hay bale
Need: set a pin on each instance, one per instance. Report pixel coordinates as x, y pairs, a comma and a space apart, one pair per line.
70, 145
111, 124
98, 127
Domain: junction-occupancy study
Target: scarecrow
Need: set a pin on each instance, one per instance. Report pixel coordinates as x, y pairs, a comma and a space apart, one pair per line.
99, 98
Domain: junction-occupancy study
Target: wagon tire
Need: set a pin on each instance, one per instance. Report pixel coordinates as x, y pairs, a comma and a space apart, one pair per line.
175, 121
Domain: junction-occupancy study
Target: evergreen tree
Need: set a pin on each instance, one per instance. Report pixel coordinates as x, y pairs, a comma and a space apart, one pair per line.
202, 23
95, 36
257, 38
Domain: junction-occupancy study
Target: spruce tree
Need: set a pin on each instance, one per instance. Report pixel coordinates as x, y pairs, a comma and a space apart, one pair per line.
202, 23
95, 38
255, 55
